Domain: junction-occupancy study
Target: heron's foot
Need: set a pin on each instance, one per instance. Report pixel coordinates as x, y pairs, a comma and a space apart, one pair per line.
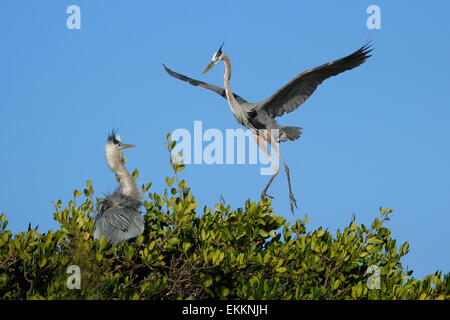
264, 195
293, 201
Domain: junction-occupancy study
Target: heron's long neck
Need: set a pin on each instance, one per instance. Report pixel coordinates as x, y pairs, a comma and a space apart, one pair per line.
227, 76
126, 181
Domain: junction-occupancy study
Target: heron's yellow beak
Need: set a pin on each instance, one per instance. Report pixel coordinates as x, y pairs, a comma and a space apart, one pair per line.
125, 146
209, 67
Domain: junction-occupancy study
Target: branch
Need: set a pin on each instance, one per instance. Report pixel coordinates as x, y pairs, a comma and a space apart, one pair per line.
26, 278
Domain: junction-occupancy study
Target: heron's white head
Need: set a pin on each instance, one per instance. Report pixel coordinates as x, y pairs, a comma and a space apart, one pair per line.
217, 56
112, 149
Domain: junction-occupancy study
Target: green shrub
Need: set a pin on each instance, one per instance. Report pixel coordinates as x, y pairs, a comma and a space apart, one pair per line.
220, 253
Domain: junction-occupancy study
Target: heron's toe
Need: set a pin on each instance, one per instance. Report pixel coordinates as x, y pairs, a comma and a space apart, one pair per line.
293, 202
265, 195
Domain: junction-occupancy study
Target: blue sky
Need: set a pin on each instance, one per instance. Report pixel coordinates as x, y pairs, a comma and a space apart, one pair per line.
373, 136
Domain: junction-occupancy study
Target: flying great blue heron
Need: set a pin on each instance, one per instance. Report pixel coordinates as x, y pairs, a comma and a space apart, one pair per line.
260, 117
119, 218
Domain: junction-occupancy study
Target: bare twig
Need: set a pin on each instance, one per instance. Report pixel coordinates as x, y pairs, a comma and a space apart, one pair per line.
28, 280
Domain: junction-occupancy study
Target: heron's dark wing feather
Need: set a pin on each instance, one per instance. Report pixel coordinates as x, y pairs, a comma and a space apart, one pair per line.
293, 94
119, 218
202, 84
118, 224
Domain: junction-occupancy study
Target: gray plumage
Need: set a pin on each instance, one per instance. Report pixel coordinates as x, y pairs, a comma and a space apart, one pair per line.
260, 117
119, 218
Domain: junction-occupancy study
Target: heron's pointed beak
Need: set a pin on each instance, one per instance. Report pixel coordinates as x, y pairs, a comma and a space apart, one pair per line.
125, 146
210, 65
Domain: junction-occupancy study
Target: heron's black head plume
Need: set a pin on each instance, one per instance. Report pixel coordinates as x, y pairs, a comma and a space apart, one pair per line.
219, 52
113, 137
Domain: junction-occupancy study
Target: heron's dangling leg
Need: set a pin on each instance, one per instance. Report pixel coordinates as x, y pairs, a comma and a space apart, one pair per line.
291, 195
261, 144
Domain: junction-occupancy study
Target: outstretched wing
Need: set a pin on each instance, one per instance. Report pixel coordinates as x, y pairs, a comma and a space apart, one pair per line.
202, 84
292, 95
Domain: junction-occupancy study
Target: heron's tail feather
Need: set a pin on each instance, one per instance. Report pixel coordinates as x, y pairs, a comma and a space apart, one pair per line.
290, 133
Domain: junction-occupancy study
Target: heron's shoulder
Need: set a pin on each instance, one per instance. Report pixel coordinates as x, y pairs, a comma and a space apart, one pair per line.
248, 105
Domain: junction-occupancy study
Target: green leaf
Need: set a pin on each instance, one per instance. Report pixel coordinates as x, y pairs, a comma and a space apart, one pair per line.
135, 296
266, 258
423, 296
377, 224
169, 181
336, 284
262, 233
207, 283
306, 219
102, 242
186, 246
43, 262
320, 233
146, 187
151, 245
354, 226
182, 184
405, 248
279, 263
99, 256
135, 174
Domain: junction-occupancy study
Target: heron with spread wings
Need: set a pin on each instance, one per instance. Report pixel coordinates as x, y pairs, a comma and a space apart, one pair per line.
260, 117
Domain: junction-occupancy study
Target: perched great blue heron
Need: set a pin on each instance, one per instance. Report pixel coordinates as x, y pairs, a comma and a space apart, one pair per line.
260, 117
119, 218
